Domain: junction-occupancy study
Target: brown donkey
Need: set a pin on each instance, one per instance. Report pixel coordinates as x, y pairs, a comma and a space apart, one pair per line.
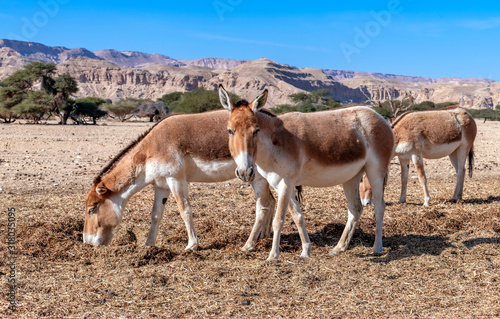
317, 149
431, 134
178, 150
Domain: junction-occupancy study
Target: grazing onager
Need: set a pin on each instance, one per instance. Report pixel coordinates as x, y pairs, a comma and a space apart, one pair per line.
431, 134
317, 149
176, 151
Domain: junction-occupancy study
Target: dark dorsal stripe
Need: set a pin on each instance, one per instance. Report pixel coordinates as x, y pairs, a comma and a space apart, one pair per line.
267, 112
399, 118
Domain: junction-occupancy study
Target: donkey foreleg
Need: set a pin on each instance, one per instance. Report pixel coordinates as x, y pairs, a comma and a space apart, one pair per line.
179, 189
298, 219
263, 213
284, 196
161, 195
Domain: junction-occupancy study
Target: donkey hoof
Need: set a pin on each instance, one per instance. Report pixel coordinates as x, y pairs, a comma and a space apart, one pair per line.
334, 252
191, 246
247, 249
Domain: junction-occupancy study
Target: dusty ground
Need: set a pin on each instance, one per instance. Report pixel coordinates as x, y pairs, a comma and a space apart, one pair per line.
438, 262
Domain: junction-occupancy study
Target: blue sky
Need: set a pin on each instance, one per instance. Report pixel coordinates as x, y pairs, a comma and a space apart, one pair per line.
420, 38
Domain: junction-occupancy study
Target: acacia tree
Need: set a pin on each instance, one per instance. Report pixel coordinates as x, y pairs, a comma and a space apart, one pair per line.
309, 102
16, 88
17, 97
35, 106
84, 109
64, 85
122, 109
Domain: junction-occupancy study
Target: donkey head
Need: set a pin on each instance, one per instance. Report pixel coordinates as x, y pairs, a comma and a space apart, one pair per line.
243, 131
102, 216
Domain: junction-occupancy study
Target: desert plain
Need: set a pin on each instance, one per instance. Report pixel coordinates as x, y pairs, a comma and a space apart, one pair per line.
437, 262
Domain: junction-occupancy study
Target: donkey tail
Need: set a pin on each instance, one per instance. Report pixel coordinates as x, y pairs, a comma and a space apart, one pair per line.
298, 194
471, 160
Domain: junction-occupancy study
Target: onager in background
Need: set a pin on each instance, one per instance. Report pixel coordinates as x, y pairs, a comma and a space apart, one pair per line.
431, 134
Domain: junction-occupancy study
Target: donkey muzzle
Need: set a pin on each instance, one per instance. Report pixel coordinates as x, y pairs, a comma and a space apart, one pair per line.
246, 174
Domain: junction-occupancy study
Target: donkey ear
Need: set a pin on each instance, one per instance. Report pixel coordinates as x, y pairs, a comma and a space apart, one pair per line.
101, 189
259, 102
224, 99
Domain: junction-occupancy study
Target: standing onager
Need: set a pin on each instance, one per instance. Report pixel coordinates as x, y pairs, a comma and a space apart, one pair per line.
318, 149
431, 134
176, 151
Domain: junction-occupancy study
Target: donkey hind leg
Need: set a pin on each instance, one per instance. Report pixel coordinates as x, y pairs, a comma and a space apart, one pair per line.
179, 189
377, 177
298, 219
405, 167
355, 208
263, 213
458, 159
161, 195
418, 161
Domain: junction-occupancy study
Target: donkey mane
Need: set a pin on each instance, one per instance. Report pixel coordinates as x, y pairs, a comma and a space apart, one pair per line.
241, 103
124, 151
399, 118
267, 112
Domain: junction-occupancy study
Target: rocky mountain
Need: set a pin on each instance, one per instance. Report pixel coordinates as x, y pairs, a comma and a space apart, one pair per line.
342, 75
107, 80
215, 63
40, 52
115, 75
133, 59
470, 94
10, 61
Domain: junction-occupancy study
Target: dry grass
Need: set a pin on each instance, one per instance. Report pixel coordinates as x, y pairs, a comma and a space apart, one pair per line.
438, 262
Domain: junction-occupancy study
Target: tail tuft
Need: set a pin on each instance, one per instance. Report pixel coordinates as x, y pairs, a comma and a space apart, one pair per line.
298, 194
471, 161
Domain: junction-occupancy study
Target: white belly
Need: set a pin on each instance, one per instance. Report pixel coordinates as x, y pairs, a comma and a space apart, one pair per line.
317, 175
433, 151
209, 171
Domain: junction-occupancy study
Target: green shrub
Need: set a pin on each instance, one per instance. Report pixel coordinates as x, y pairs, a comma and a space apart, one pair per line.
424, 106
35, 106
486, 114
306, 102
386, 113
199, 100
90, 99
171, 97
122, 109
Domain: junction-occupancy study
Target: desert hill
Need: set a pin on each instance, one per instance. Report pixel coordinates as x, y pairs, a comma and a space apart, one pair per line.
113, 74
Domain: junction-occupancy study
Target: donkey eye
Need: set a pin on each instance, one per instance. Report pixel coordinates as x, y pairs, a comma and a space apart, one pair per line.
230, 131
91, 210
256, 131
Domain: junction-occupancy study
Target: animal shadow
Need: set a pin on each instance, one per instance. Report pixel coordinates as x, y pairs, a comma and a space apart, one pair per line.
478, 241
481, 201
399, 246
